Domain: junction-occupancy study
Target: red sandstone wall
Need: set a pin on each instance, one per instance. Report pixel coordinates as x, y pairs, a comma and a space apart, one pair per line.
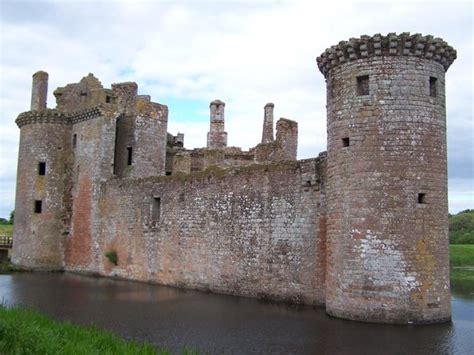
253, 231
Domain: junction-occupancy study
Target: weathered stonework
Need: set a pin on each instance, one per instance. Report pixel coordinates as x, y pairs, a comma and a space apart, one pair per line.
387, 242
361, 229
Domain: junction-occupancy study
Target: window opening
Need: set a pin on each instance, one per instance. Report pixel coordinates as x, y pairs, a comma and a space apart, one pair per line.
433, 81
422, 198
74, 140
156, 209
362, 85
41, 168
129, 155
38, 206
345, 141
107, 99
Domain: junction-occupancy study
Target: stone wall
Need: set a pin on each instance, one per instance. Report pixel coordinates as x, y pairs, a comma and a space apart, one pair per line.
253, 231
93, 158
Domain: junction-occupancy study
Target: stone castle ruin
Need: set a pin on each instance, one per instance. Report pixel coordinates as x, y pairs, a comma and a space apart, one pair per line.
361, 229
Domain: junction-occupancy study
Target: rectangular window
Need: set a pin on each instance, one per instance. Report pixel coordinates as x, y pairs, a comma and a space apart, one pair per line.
74, 140
107, 99
156, 209
421, 198
433, 85
345, 141
38, 206
362, 85
129, 155
41, 168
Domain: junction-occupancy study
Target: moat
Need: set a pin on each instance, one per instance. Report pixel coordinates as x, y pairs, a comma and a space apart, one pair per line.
211, 323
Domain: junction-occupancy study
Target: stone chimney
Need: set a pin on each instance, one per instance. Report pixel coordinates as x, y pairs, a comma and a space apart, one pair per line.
267, 134
216, 137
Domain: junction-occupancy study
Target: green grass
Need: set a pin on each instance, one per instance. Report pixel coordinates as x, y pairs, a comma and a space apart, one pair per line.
28, 332
462, 270
461, 255
6, 229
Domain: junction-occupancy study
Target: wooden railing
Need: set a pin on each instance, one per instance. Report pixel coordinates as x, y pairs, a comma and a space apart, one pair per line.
5, 241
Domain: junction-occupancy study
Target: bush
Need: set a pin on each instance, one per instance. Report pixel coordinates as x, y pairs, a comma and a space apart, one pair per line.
461, 228
112, 256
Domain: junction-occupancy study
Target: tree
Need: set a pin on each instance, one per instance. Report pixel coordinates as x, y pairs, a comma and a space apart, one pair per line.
12, 217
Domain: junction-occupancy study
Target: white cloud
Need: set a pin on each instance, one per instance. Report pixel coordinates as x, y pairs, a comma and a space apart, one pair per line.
245, 53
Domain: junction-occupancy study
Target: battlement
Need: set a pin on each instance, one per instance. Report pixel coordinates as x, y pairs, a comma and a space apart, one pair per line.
392, 44
42, 116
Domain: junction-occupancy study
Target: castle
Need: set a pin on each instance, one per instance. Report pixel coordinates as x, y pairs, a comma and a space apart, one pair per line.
361, 229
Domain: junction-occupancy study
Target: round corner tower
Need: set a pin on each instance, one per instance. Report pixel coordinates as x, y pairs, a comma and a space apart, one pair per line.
41, 184
387, 231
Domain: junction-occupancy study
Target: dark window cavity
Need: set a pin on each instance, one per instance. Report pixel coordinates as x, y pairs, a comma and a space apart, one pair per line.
433, 86
74, 140
129, 155
38, 206
362, 85
168, 173
83, 93
421, 198
41, 168
108, 99
155, 210
345, 141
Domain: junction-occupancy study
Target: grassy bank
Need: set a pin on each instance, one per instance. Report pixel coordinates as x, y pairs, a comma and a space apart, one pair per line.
461, 255
462, 270
28, 332
6, 229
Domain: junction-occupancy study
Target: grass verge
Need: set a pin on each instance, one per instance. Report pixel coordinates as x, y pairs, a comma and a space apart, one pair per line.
6, 229
461, 259
8, 268
461, 255
29, 332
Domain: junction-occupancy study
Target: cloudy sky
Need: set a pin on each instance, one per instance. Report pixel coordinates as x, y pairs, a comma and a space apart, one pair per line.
246, 53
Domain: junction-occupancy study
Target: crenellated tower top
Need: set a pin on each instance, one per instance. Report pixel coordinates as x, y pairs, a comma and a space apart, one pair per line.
392, 44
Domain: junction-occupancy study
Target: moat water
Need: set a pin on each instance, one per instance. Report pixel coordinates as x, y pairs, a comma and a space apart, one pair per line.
175, 318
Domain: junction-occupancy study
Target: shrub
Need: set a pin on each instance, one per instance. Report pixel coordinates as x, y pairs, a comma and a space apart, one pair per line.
112, 256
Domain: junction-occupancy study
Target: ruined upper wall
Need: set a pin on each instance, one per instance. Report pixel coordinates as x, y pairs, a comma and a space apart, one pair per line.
392, 44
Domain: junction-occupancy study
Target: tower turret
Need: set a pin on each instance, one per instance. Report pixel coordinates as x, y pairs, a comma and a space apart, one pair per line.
41, 202
387, 237
39, 91
216, 137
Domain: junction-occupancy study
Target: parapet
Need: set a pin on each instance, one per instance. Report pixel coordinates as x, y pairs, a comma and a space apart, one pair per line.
217, 103
43, 116
392, 44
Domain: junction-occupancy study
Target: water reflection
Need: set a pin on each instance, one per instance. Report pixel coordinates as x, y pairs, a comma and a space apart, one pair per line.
223, 324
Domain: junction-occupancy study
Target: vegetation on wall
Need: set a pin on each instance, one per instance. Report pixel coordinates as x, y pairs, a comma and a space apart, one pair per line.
112, 256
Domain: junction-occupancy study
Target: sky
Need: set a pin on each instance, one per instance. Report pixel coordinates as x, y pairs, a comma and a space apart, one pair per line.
246, 53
